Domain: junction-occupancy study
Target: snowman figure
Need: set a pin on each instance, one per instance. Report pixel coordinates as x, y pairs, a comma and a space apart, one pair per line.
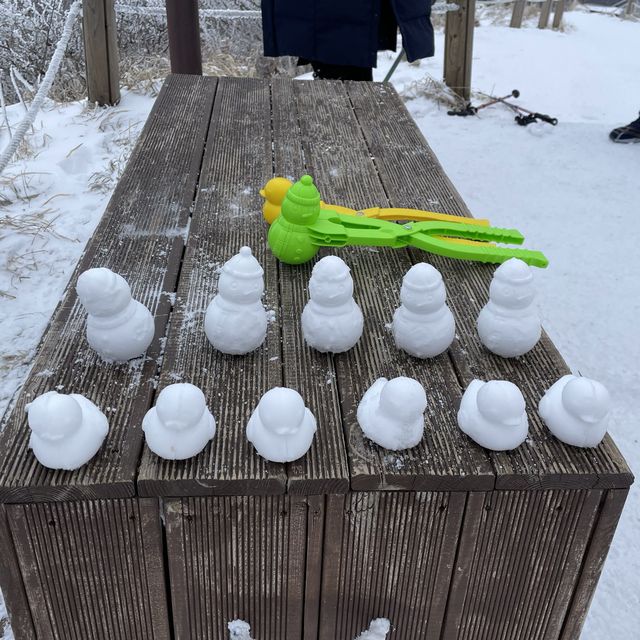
378, 630
423, 325
281, 428
118, 327
180, 425
576, 410
493, 415
236, 320
331, 320
391, 413
66, 430
508, 325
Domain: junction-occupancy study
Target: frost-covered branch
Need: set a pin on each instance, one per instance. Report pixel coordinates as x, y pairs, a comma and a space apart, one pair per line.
44, 88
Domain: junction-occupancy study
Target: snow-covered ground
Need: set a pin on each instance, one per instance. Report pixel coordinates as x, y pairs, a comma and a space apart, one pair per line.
569, 189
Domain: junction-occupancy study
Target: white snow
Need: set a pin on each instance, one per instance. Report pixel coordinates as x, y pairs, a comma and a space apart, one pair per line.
180, 425
391, 413
571, 191
493, 414
66, 430
236, 320
576, 410
332, 321
423, 324
509, 324
119, 328
281, 428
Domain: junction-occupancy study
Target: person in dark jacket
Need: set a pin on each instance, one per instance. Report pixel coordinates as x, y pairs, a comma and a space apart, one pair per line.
341, 38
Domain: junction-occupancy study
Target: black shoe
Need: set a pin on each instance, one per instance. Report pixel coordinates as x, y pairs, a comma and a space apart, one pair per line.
630, 133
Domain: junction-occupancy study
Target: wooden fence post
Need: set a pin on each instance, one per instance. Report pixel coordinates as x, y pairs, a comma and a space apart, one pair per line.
458, 47
557, 16
101, 51
544, 14
518, 13
183, 25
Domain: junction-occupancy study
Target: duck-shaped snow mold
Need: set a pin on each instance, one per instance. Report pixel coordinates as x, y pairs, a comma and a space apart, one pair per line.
391, 413
66, 430
180, 425
331, 320
119, 328
236, 320
576, 410
509, 325
423, 325
281, 428
493, 414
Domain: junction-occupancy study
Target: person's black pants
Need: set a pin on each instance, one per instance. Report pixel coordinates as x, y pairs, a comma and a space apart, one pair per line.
324, 71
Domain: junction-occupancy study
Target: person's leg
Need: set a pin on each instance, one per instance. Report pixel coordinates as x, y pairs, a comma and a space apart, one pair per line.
628, 133
324, 71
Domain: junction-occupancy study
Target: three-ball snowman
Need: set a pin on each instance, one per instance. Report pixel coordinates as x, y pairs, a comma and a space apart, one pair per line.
508, 325
331, 320
119, 328
236, 320
423, 325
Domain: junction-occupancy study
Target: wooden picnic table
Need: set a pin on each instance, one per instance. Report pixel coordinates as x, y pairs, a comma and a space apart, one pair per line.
447, 540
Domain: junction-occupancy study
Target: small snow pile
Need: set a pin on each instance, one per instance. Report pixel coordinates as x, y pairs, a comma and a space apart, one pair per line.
377, 630
239, 630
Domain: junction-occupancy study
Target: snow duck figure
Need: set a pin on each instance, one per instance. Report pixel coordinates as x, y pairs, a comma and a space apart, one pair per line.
119, 328
66, 430
576, 410
236, 320
180, 425
281, 428
493, 414
423, 325
391, 413
331, 320
508, 325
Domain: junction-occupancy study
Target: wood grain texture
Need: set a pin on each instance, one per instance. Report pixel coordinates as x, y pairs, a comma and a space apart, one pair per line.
599, 544
518, 13
402, 157
458, 47
558, 13
237, 557
335, 153
389, 554
520, 556
87, 570
545, 12
101, 51
13, 592
227, 215
140, 237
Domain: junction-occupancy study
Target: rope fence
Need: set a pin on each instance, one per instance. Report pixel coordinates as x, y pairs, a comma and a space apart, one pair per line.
44, 88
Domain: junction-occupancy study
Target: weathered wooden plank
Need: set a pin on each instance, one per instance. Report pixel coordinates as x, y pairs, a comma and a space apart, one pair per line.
336, 154
521, 553
389, 554
545, 12
518, 13
101, 51
313, 568
324, 469
141, 237
87, 570
15, 597
403, 157
458, 47
558, 13
593, 562
236, 557
226, 216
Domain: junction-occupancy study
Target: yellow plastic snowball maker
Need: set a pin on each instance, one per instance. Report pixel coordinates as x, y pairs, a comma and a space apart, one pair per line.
276, 189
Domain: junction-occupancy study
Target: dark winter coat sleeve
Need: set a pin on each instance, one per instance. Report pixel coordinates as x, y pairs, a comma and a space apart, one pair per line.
346, 32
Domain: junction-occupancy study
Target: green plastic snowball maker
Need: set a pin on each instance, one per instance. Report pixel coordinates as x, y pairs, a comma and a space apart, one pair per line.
303, 227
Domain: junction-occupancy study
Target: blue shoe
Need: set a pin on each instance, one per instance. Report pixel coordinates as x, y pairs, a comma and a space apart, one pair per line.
630, 133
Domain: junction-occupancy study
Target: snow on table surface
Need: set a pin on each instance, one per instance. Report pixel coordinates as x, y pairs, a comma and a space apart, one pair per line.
569, 189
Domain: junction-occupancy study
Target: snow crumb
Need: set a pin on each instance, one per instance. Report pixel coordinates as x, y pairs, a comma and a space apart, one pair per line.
271, 315
239, 630
378, 630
